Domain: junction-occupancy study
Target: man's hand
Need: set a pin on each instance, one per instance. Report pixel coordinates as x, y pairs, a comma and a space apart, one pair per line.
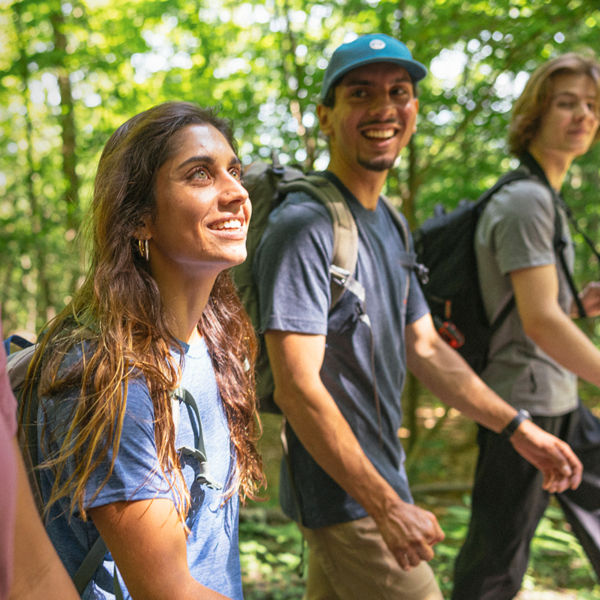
410, 533
554, 458
590, 298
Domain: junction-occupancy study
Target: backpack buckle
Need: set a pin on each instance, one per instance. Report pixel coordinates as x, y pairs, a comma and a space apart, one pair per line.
339, 275
422, 273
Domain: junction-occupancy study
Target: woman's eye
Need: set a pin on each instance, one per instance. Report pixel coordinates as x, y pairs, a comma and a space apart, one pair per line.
236, 173
199, 173
568, 104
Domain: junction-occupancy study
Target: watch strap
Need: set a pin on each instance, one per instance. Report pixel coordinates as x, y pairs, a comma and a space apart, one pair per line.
521, 416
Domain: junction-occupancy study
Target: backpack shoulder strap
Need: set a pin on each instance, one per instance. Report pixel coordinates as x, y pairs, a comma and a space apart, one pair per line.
560, 201
410, 261
18, 363
93, 559
199, 452
95, 556
345, 233
559, 242
397, 220
514, 175
560, 245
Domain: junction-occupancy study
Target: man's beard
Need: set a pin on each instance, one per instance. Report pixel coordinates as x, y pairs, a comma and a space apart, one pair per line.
377, 164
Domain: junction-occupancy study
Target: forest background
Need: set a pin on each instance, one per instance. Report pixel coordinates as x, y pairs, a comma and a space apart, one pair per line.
72, 71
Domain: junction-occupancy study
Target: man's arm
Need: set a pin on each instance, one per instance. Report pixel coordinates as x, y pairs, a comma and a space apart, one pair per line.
445, 373
38, 573
544, 321
296, 360
148, 542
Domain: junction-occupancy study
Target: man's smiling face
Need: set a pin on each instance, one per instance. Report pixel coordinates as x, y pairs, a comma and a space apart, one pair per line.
373, 118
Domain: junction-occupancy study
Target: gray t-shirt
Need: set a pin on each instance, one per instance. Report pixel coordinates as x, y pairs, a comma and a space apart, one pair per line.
516, 231
291, 268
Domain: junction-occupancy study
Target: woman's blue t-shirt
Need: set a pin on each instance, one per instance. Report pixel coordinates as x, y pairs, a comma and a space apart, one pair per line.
212, 544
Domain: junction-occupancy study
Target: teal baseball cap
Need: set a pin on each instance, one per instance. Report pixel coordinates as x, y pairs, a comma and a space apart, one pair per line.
367, 49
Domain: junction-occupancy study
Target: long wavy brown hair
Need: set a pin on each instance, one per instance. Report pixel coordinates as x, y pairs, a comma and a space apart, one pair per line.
118, 321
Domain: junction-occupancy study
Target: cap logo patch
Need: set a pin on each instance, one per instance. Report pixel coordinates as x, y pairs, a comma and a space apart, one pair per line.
377, 44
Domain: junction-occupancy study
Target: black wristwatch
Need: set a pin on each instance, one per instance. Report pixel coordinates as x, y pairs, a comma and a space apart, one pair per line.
512, 426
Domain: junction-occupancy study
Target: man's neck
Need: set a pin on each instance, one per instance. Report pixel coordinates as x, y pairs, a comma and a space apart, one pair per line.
365, 185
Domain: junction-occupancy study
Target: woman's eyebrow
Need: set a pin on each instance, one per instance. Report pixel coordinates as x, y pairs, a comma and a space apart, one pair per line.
204, 158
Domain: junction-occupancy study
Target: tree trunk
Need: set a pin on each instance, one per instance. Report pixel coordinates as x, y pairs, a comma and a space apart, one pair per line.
69, 144
43, 295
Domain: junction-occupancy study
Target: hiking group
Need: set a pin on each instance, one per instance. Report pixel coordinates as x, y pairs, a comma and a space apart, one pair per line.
141, 393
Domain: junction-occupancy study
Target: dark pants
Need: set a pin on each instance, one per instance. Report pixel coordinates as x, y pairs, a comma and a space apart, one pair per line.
508, 503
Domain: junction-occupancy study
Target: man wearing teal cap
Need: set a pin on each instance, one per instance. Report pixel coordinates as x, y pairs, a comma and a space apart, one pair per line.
339, 373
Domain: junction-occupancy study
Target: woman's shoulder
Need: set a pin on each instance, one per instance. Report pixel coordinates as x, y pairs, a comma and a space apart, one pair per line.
70, 364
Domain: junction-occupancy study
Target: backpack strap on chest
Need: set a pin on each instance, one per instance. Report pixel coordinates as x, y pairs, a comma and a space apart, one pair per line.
345, 232
198, 452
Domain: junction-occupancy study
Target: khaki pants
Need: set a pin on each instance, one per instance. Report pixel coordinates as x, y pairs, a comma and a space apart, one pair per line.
350, 561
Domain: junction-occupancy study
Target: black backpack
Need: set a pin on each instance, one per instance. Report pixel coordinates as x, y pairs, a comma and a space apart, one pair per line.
444, 243
268, 183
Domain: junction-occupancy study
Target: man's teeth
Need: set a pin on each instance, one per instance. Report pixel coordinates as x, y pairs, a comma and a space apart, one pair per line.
379, 133
231, 224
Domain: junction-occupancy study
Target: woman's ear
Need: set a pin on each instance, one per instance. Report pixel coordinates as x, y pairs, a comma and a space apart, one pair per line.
142, 231
141, 235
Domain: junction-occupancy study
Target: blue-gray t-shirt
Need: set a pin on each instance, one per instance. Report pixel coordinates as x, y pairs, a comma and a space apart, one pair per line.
291, 268
212, 544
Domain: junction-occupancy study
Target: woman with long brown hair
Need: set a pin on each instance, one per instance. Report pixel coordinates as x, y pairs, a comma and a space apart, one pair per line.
147, 408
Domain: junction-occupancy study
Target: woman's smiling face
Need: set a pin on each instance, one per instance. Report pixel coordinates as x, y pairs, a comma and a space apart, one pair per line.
202, 210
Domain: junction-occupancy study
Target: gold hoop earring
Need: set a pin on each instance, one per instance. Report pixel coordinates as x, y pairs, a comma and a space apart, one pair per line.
144, 249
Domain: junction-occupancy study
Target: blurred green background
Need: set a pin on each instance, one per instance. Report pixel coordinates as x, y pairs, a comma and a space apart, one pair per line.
72, 71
